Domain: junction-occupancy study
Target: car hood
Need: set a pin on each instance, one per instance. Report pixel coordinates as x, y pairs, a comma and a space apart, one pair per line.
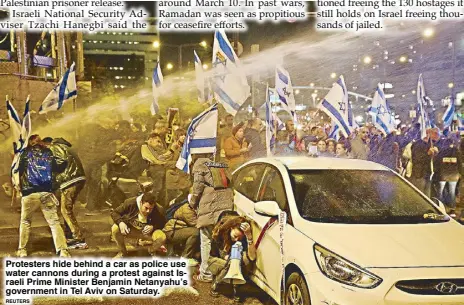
411, 245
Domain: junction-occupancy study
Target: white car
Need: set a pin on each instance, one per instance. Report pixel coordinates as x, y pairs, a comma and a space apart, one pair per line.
357, 234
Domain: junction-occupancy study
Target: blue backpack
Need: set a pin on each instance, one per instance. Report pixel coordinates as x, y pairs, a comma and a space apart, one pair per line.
39, 167
171, 210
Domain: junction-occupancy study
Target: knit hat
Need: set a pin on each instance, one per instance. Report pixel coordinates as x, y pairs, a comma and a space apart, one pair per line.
237, 127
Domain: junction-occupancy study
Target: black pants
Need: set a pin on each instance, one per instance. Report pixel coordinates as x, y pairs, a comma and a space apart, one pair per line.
189, 237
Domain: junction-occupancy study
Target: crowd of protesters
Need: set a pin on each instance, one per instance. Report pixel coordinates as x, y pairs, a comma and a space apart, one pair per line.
135, 178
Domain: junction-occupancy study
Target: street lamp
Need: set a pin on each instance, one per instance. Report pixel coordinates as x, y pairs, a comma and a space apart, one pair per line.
204, 44
156, 44
403, 59
333, 75
451, 85
428, 32
169, 66
205, 67
367, 60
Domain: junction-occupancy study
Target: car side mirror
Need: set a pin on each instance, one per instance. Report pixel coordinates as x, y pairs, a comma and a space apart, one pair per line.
267, 208
439, 205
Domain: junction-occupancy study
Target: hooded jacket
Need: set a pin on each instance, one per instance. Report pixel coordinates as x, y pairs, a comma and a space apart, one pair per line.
209, 201
74, 171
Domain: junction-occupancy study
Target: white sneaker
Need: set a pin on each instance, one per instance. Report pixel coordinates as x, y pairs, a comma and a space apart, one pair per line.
21, 253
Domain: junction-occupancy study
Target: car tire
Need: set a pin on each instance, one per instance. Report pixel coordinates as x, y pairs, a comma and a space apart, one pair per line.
296, 290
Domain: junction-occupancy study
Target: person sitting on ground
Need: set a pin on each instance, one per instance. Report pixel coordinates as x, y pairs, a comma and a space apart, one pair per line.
181, 228
141, 218
229, 230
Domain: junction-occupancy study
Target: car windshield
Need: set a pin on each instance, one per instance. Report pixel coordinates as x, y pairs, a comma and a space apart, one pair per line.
360, 197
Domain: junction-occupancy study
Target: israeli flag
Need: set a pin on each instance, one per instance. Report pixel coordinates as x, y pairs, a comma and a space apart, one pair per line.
421, 101
334, 134
21, 131
381, 114
335, 105
200, 78
270, 123
229, 84
284, 89
15, 123
448, 116
157, 81
201, 137
65, 90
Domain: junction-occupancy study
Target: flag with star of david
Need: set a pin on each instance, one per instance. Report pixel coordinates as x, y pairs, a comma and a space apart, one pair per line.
200, 138
336, 106
21, 131
65, 90
229, 83
284, 88
421, 101
381, 114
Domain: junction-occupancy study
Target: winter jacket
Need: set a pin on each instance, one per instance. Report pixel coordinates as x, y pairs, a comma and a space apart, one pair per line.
447, 164
209, 202
37, 169
359, 150
74, 171
253, 137
128, 213
421, 161
184, 217
232, 148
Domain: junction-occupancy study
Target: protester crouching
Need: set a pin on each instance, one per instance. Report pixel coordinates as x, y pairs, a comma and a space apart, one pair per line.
37, 168
70, 182
139, 217
228, 231
181, 229
211, 195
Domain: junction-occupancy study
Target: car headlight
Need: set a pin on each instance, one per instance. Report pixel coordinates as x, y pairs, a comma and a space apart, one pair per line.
339, 269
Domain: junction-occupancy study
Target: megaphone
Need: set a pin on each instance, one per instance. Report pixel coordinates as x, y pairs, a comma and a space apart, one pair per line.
234, 274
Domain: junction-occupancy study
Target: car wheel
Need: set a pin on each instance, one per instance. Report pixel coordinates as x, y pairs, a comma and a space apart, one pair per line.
296, 291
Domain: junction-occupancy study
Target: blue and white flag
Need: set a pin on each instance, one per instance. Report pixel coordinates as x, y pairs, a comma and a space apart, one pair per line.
65, 90
381, 114
334, 133
284, 88
15, 124
200, 79
157, 81
229, 84
448, 116
421, 101
335, 105
201, 137
271, 124
21, 132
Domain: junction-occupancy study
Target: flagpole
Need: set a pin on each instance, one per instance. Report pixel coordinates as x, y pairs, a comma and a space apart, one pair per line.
13, 195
